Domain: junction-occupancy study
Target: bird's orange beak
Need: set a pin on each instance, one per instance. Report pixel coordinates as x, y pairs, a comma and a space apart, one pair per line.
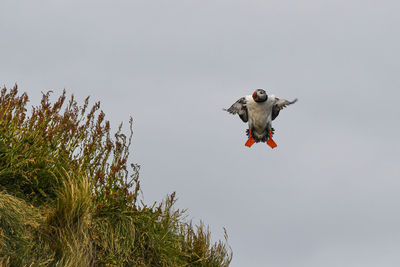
255, 94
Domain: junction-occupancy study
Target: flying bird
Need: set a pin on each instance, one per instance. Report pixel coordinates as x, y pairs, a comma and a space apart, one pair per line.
259, 110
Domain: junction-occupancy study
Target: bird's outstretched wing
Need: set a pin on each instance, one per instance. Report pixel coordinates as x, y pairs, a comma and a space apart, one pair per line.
280, 104
239, 107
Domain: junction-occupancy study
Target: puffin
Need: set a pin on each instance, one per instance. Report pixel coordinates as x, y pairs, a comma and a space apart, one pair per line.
259, 110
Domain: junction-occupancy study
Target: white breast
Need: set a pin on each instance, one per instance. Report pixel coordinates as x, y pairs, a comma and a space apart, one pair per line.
259, 115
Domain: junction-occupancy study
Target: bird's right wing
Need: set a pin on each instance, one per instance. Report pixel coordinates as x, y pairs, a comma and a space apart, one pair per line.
239, 107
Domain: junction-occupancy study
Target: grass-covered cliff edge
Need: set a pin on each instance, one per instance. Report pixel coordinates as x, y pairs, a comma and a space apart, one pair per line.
69, 196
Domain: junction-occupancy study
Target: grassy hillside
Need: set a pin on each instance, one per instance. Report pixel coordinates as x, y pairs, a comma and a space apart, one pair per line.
69, 197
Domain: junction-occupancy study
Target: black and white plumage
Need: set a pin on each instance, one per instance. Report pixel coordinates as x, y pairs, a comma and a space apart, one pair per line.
259, 110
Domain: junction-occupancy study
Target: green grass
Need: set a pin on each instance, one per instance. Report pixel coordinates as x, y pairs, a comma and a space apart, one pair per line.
69, 197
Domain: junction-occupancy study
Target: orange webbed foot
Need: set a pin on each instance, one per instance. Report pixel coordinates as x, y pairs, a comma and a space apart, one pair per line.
250, 141
271, 142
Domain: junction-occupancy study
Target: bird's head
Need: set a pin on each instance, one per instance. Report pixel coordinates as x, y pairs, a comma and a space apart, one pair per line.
260, 95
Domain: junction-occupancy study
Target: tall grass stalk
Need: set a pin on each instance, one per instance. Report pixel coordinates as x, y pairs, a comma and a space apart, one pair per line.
69, 197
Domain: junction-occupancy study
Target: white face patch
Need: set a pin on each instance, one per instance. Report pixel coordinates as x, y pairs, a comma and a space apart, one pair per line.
260, 95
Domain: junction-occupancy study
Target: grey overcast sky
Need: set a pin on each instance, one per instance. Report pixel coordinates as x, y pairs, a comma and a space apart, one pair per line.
328, 195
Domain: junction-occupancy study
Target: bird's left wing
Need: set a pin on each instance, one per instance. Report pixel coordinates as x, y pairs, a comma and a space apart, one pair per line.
280, 104
239, 107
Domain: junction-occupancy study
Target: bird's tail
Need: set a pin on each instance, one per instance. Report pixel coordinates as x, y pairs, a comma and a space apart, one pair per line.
260, 140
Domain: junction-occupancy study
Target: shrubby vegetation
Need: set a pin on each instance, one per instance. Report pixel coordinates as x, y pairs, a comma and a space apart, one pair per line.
69, 197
